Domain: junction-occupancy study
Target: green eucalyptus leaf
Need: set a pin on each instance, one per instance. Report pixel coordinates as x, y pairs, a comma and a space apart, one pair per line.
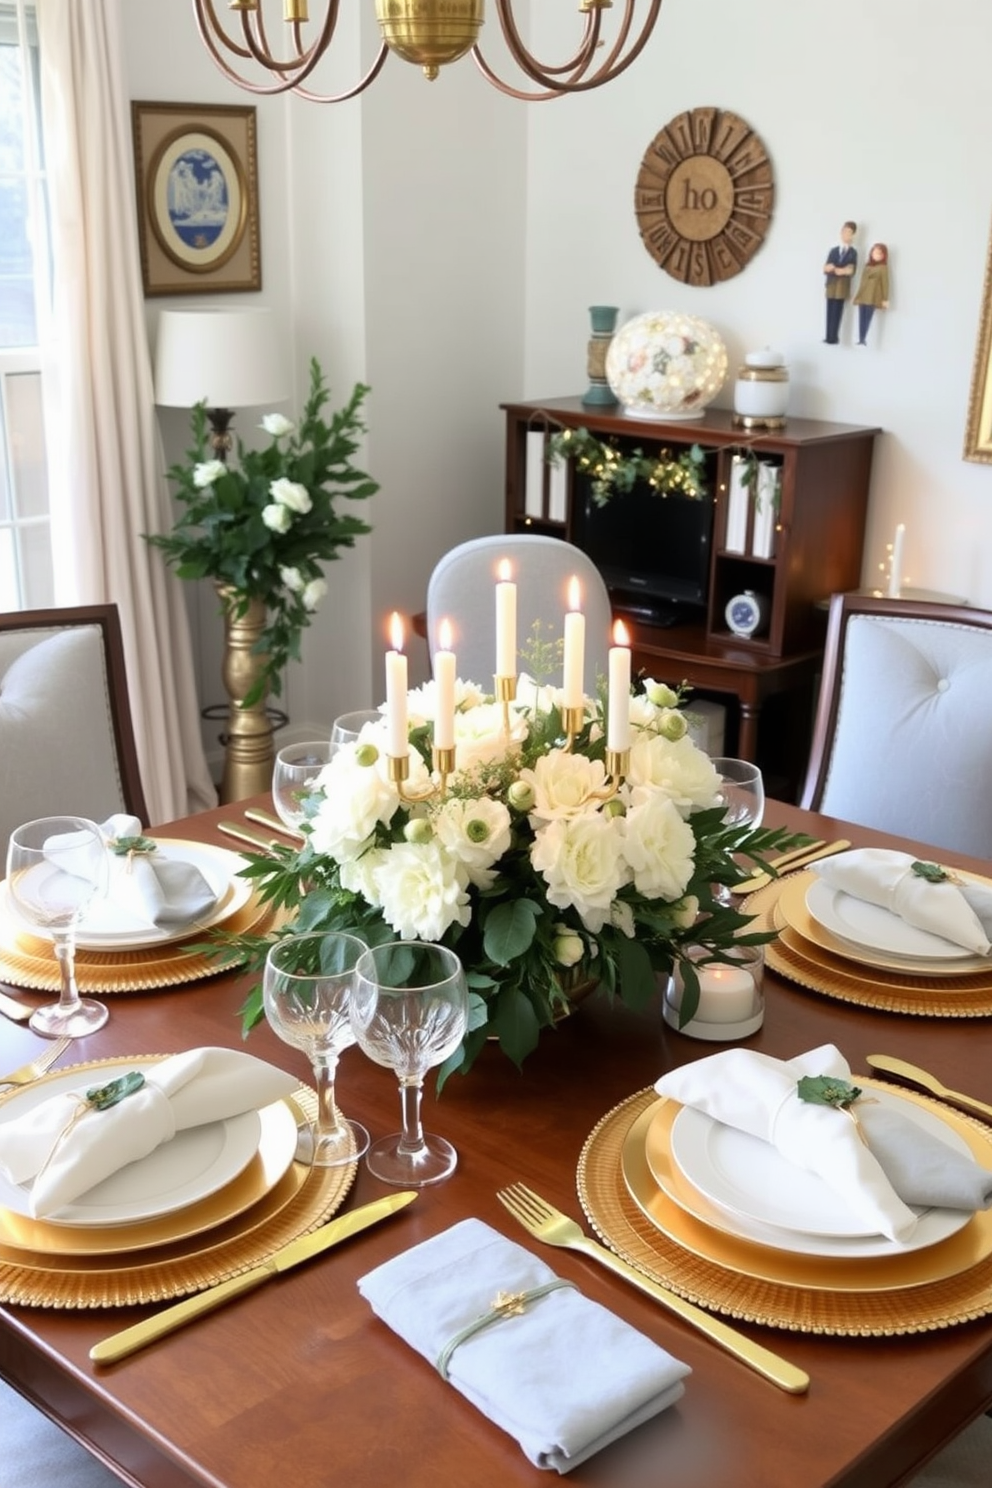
824, 1090
102, 1097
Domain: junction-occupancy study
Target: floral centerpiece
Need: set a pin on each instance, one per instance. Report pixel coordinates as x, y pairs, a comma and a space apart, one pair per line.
529, 862
262, 531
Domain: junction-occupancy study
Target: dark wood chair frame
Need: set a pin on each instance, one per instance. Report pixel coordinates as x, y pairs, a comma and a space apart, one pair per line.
108, 619
842, 608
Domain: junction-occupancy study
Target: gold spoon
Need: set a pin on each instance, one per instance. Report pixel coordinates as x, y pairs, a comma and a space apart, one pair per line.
911, 1074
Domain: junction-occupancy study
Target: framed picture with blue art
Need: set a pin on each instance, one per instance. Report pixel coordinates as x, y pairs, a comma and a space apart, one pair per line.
196, 173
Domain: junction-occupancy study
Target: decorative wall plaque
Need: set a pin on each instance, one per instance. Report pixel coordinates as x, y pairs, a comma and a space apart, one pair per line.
704, 196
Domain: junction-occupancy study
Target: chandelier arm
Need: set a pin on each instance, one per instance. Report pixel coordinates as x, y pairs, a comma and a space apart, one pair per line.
369, 77
556, 86
298, 68
536, 71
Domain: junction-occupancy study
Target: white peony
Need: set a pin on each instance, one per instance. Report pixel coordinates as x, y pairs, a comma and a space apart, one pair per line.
204, 475
477, 833
277, 424
277, 518
290, 493
356, 798
581, 862
480, 737
537, 699
563, 784
292, 578
313, 593
358, 875
681, 771
658, 844
422, 890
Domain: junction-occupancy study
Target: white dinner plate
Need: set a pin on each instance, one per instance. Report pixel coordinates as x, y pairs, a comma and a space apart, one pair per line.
108, 927
874, 928
746, 1179
193, 1165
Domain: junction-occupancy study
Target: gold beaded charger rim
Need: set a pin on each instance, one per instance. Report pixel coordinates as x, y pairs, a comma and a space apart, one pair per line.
303, 1200
28, 962
624, 1228
817, 970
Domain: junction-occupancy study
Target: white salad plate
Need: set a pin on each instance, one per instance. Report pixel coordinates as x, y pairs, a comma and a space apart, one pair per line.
874, 928
761, 1196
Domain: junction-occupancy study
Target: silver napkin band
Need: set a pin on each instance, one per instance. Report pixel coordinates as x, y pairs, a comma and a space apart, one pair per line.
503, 1305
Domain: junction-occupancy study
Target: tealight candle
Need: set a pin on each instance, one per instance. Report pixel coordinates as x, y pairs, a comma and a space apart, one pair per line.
444, 688
731, 1001
573, 692
506, 622
618, 716
398, 743
726, 994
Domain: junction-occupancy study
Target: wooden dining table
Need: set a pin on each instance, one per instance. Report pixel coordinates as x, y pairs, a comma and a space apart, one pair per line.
298, 1381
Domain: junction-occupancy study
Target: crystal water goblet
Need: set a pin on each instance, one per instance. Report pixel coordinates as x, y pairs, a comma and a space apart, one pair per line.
742, 792
410, 1012
56, 867
307, 987
294, 774
347, 727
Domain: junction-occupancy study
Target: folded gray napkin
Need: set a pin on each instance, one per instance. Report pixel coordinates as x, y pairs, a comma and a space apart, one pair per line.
558, 1372
901, 1164
957, 910
164, 891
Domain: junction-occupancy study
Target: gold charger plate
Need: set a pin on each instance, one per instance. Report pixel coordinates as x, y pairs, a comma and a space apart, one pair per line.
30, 963
720, 1287
303, 1200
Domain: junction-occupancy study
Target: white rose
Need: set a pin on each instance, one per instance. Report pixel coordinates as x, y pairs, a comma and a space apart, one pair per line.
568, 948
421, 890
205, 474
358, 875
278, 518
480, 736
563, 784
581, 862
622, 918
537, 699
313, 593
292, 578
680, 770
356, 798
659, 846
290, 493
477, 833
277, 424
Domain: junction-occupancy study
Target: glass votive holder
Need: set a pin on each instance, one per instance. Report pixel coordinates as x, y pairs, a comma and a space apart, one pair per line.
731, 999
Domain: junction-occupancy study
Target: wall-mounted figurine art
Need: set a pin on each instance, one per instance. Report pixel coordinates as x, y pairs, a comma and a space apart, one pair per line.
838, 271
873, 288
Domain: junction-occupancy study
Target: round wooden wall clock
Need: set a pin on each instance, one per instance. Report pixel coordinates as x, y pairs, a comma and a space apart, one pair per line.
704, 196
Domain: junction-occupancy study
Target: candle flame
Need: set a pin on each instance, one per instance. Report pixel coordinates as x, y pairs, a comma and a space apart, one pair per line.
574, 594
444, 635
621, 635
504, 570
396, 631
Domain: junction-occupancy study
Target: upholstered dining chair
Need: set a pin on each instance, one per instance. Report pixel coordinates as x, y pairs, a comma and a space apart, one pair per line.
66, 737
902, 739
462, 588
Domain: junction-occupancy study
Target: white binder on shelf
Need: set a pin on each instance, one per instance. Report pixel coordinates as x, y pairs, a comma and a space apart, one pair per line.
558, 491
534, 475
737, 500
767, 501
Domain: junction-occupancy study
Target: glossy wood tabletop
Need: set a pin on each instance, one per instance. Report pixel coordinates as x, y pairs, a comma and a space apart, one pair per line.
299, 1383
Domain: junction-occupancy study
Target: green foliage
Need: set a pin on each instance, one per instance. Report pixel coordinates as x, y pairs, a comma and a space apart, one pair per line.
614, 471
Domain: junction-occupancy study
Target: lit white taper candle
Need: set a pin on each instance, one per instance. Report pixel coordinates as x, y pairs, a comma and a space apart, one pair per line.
506, 622
444, 689
618, 716
396, 690
895, 567
575, 648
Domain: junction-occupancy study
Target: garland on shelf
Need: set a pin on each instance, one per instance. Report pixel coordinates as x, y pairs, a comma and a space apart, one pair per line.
614, 471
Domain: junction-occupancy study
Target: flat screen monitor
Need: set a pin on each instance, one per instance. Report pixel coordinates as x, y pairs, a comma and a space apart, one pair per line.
652, 550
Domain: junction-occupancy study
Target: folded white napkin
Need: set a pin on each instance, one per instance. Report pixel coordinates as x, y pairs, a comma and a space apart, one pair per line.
901, 1165
960, 912
68, 1147
564, 1376
164, 891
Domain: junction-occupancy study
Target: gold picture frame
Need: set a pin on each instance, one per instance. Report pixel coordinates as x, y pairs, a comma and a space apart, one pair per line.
978, 435
196, 174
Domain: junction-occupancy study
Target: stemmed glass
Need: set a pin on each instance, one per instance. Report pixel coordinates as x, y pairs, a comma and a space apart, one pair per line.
307, 986
296, 768
410, 1012
742, 792
347, 726
56, 867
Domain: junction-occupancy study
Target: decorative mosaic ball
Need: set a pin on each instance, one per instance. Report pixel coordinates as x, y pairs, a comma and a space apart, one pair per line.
666, 365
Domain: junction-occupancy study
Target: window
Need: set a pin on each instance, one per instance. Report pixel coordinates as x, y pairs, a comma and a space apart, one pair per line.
25, 272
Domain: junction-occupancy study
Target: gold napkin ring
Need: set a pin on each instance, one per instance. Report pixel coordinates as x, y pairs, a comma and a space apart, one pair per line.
503, 1305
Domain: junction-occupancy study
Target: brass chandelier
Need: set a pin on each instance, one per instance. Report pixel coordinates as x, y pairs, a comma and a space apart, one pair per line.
429, 33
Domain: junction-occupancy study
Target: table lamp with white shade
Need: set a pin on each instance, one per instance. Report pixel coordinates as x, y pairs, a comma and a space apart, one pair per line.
227, 359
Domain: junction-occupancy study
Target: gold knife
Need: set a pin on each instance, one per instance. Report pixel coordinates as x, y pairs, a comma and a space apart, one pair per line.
18, 1012
265, 820
260, 844
119, 1345
803, 860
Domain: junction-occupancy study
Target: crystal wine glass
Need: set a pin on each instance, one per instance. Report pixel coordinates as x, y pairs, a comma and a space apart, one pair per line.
348, 726
410, 1012
56, 867
296, 769
742, 792
307, 986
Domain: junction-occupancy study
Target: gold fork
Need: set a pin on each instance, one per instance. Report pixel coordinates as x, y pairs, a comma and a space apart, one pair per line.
35, 1068
546, 1223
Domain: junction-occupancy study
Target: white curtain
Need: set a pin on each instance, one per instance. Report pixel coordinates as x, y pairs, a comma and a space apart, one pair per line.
105, 456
